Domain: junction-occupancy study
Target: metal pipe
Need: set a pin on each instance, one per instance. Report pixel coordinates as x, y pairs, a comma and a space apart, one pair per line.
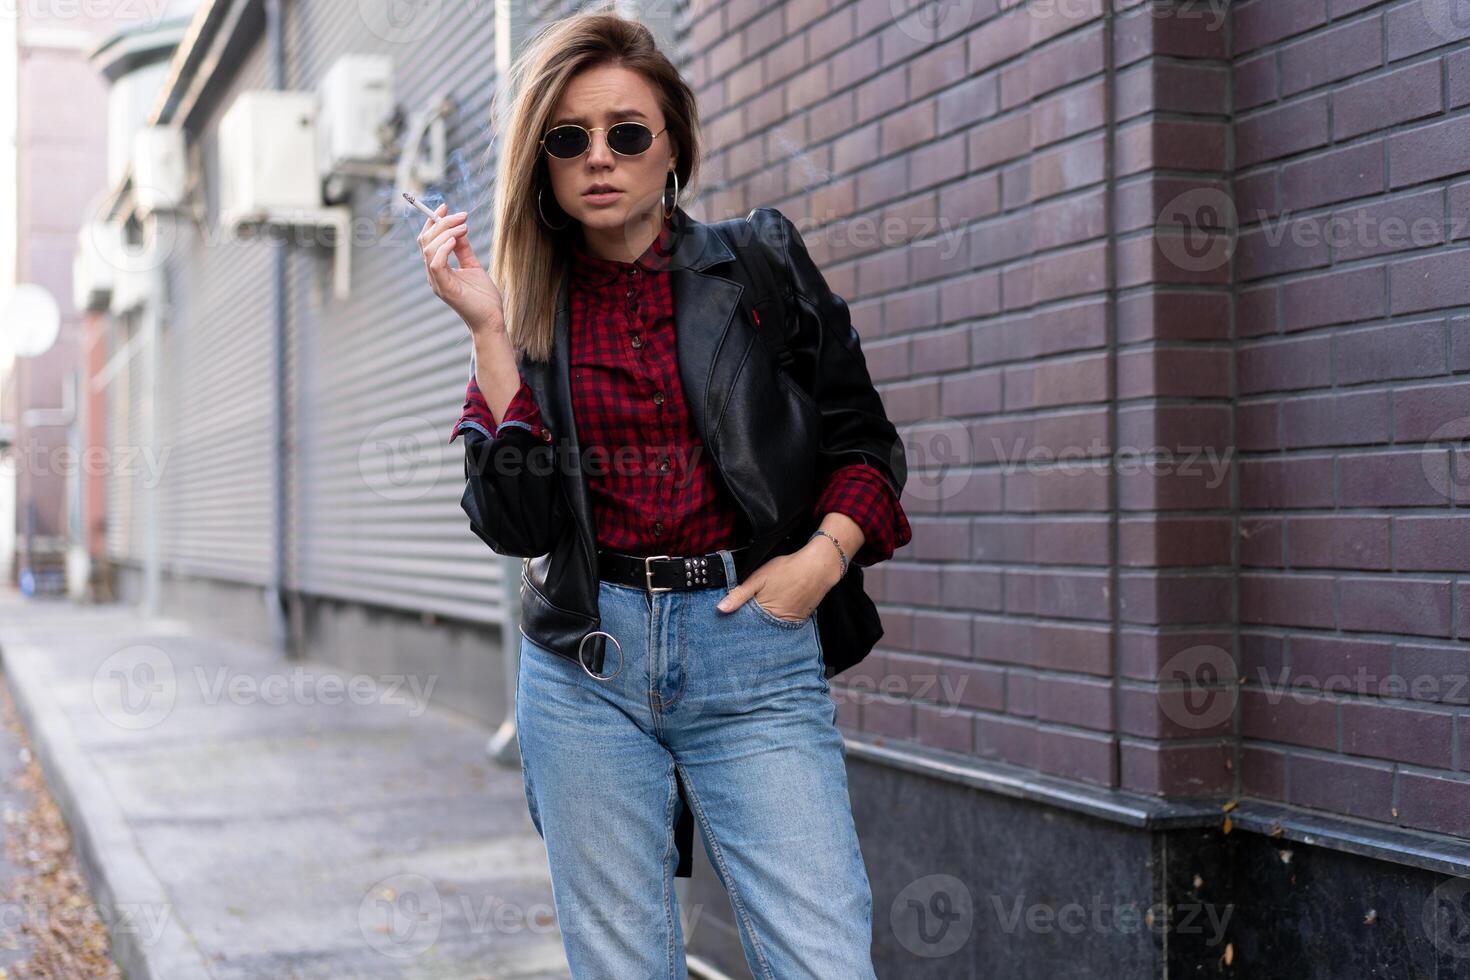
276, 591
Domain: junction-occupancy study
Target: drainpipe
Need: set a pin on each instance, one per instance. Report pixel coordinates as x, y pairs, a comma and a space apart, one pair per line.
276, 593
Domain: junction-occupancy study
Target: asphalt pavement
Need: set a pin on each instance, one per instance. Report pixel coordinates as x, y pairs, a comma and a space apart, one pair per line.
241, 815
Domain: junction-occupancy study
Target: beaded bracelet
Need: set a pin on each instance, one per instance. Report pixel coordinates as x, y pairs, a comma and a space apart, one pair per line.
836, 543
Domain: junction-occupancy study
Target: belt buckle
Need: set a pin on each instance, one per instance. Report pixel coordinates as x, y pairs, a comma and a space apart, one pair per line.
648, 575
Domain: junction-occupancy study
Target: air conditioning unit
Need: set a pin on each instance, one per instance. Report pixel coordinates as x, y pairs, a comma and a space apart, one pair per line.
160, 168
95, 265
265, 137
356, 98
131, 290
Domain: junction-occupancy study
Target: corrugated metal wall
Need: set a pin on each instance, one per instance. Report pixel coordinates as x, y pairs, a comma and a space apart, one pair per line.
379, 379
375, 382
215, 374
123, 409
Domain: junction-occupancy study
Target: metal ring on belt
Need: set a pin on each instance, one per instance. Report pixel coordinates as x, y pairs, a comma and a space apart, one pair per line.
588, 670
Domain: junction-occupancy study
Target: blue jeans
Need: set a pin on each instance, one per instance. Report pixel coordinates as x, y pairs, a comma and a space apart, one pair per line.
737, 703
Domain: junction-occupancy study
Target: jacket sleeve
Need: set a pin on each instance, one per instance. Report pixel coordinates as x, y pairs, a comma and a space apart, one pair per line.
523, 411
512, 496
864, 494
854, 425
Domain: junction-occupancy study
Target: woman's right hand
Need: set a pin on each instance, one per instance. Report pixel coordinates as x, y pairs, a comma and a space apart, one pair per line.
468, 289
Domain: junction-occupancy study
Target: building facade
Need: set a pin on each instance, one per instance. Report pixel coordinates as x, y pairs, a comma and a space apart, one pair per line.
1168, 301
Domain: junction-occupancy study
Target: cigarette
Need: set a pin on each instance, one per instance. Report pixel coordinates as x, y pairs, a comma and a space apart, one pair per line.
419, 204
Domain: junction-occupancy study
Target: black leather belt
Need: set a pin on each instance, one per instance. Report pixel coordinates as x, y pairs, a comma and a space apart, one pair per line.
664, 573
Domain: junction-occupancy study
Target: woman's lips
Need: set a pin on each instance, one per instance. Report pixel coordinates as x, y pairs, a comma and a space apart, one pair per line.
606, 197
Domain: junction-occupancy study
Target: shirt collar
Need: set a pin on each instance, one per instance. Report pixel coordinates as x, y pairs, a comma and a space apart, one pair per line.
593, 270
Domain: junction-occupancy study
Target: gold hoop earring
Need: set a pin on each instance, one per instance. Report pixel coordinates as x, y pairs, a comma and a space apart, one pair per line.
669, 211
543, 214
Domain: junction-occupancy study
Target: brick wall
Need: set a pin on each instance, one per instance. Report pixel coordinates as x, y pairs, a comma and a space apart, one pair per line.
1352, 133
1150, 457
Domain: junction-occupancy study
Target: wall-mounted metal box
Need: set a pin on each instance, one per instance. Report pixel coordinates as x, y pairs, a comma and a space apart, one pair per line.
266, 142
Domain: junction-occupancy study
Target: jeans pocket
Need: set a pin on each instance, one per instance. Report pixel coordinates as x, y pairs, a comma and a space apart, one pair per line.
770, 617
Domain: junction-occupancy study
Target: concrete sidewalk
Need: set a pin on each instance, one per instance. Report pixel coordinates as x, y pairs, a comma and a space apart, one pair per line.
240, 816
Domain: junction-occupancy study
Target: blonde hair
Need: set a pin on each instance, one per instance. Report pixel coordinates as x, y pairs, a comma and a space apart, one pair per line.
528, 258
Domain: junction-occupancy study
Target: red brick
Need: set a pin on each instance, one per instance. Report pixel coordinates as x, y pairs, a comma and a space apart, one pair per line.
1403, 734
1438, 411
1432, 543
1437, 803
1074, 701
1287, 600
1336, 420
1263, 542
1282, 131
1387, 100
1434, 673
1292, 717
1257, 23
1336, 175
1263, 773
1395, 605
1175, 712
1077, 755
944, 728
1331, 55
1414, 221
1181, 541
1338, 542
1407, 350
1006, 740
1392, 479
1282, 365
1356, 789
1255, 81
1286, 483
1421, 25
1177, 770
1429, 152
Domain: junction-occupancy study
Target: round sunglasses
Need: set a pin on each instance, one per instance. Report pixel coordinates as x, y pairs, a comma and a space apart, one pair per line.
627, 139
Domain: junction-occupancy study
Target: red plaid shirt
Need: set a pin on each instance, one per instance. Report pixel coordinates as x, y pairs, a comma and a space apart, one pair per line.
654, 487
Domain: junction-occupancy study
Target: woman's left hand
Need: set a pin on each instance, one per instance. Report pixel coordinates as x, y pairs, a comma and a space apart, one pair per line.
789, 586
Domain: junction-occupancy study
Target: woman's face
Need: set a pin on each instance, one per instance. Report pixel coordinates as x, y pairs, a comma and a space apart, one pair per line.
602, 96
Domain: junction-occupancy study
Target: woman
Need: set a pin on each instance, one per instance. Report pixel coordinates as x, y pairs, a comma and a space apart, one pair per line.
612, 336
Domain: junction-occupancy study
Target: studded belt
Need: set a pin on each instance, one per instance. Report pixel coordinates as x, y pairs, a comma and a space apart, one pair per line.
665, 573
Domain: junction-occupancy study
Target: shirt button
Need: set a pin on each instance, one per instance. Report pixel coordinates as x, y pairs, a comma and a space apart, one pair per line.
658, 398
663, 465
658, 527
545, 435
637, 342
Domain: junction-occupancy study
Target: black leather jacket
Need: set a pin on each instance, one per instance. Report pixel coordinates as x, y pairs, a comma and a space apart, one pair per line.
772, 442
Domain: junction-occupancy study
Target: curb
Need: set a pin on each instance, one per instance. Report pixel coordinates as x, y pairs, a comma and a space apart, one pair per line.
116, 870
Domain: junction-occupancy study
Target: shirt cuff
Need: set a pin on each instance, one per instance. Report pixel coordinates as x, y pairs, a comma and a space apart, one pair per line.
523, 412
860, 491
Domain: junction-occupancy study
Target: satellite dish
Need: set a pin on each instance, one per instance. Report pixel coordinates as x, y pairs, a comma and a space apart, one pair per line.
30, 322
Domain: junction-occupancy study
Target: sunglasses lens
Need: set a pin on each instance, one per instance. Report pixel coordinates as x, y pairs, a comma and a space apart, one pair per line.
566, 142
629, 138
